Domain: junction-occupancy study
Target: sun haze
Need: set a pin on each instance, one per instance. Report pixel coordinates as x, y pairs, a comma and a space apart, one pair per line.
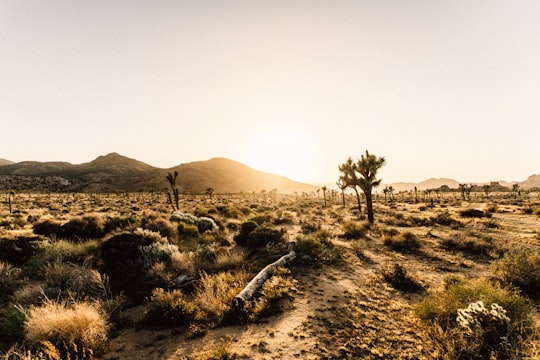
440, 88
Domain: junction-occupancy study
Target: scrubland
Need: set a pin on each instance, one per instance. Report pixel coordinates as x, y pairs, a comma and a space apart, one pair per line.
119, 276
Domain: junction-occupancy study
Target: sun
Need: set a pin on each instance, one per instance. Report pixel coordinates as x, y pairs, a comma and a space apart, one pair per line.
283, 152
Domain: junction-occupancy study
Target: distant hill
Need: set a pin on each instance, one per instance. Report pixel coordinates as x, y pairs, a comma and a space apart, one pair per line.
5, 162
114, 172
532, 181
431, 183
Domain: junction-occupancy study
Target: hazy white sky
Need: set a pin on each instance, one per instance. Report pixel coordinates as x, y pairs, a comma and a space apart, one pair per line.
440, 88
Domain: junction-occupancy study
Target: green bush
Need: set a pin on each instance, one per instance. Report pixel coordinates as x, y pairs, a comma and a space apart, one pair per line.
170, 308
316, 245
520, 268
129, 259
245, 229
11, 323
464, 328
263, 235
280, 287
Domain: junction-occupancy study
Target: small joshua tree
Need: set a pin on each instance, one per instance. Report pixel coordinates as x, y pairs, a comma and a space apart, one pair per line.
342, 186
11, 197
324, 194
171, 178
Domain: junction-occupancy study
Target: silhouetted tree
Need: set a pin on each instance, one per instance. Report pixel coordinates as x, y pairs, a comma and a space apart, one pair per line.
368, 166
349, 177
342, 186
210, 192
324, 194
171, 178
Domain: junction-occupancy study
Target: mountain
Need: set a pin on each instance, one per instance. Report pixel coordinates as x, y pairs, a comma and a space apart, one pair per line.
431, 183
114, 172
531, 182
5, 162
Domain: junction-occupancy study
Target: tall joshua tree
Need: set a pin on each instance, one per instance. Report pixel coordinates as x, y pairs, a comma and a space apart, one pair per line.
368, 166
363, 174
350, 178
171, 178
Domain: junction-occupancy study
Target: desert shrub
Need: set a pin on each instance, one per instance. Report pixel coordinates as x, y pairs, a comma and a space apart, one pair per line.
58, 251
115, 223
404, 242
219, 352
355, 230
183, 217
170, 308
84, 228
18, 251
71, 330
398, 277
229, 212
280, 287
520, 268
214, 294
476, 320
245, 229
74, 279
12, 323
48, 227
471, 213
472, 246
183, 262
445, 219
261, 219
315, 246
8, 280
161, 226
264, 235
187, 231
129, 257
309, 227
206, 224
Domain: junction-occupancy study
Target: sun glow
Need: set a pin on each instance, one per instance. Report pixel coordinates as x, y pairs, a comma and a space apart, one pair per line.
282, 152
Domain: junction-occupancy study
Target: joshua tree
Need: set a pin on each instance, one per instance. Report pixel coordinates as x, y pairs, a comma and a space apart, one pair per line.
171, 178
368, 166
516, 191
210, 192
487, 189
342, 186
349, 177
324, 194
415, 194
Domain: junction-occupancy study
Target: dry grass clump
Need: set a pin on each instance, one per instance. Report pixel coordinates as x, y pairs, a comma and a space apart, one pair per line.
315, 247
219, 352
77, 280
281, 286
476, 320
404, 242
214, 294
86, 227
483, 246
520, 268
355, 229
71, 329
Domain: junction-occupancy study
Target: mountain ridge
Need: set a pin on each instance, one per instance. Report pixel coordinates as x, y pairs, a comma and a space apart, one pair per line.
115, 172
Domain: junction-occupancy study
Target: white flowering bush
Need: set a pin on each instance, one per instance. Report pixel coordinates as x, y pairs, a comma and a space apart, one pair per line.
477, 318
203, 223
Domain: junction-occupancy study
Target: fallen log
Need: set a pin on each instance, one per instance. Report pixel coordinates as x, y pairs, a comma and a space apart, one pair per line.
258, 281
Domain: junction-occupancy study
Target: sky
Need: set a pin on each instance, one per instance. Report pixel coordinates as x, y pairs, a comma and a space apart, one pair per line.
444, 89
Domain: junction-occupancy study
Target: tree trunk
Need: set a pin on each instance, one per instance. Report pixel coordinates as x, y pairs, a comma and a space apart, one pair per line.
258, 281
369, 205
